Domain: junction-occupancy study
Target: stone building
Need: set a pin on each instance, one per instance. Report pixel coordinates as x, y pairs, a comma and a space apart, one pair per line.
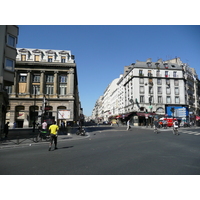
45, 87
8, 41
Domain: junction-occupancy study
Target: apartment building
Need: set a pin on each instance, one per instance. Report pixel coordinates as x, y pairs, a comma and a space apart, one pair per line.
8, 41
149, 90
45, 87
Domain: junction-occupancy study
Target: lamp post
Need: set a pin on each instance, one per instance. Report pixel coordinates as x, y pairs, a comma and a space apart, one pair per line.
150, 100
34, 89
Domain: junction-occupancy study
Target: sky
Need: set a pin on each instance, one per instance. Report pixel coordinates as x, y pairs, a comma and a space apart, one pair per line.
102, 51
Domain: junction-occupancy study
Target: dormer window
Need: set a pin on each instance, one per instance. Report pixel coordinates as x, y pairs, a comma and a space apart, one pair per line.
166, 65
149, 64
63, 59
23, 57
157, 65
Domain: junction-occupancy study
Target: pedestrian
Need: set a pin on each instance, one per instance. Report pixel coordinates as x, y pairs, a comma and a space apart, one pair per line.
63, 126
155, 123
128, 125
54, 135
6, 127
165, 124
117, 123
44, 126
14, 125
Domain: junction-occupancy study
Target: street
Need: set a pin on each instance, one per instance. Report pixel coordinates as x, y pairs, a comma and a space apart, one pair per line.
110, 151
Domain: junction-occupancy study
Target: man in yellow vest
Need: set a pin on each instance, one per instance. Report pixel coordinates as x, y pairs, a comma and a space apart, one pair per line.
54, 134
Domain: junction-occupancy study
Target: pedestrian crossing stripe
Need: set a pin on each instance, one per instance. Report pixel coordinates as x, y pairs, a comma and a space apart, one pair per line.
197, 134
188, 132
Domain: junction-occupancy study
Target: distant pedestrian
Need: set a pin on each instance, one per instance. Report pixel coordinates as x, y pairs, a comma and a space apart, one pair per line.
117, 123
128, 125
165, 123
6, 127
44, 126
54, 135
63, 126
14, 125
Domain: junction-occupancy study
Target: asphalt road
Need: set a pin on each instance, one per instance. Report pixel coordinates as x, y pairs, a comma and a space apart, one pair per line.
109, 151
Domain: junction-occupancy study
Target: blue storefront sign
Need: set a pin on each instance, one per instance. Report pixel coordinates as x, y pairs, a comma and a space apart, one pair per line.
178, 111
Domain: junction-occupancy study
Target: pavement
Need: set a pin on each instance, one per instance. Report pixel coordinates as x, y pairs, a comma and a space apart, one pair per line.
20, 137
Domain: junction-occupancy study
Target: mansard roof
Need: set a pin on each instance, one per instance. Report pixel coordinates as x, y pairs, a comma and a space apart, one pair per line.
50, 52
63, 52
37, 51
24, 50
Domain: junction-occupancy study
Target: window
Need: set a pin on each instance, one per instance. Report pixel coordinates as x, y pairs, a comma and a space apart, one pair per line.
141, 81
11, 41
168, 91
50, 58
149, 73
36, 89
159, 90
159, 99
8, 89
174, 74
176, 99
141, 99
36, 78
140, 72
23, 57
142, 89
159, 81
176, 83
9, 64
49, 89
63, 59
49, 78
63, 79
176, 90
150, 81
62, 89
150, 90
22, 78
168, 99
158, 73
37, 58
167, 81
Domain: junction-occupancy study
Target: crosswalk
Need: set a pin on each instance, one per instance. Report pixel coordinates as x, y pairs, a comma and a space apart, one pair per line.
194, 131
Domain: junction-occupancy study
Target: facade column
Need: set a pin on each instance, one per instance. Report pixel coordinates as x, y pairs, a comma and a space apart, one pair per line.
70, 82
14, 87
42, 83
28, 83
55, 85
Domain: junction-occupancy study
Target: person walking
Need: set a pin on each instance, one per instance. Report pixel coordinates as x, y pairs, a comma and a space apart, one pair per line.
155, 123
6, 127
128, 125
54, 135
44, 126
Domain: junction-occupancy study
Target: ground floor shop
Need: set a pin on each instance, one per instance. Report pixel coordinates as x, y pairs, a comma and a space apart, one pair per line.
25, 114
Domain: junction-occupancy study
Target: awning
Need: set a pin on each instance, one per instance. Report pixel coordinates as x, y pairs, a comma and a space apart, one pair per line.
145, 114
197, 117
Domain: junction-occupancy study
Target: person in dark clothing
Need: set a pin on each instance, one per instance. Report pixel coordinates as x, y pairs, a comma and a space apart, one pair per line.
6, 127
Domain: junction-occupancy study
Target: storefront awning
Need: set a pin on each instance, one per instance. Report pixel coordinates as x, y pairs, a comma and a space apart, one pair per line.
145, 114
197, 117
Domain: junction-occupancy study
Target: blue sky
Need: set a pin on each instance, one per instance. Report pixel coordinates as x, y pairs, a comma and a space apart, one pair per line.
101, 52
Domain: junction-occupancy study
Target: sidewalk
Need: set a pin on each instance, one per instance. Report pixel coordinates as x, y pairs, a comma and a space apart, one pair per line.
22, 137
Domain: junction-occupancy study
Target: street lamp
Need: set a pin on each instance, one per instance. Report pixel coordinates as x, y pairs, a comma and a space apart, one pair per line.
34, 90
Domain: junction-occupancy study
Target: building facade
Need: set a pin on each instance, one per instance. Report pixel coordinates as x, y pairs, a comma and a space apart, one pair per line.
8, 41
149, 90
45, 87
